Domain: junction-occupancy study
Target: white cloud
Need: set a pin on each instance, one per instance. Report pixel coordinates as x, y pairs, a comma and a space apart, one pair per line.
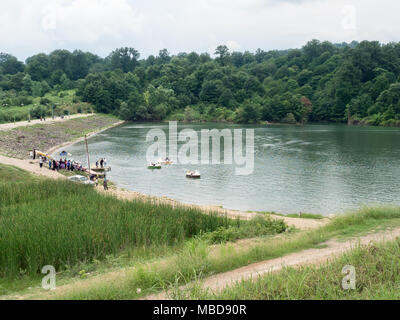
28, 27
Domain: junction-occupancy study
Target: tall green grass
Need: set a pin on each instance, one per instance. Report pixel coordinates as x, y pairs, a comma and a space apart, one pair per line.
197, 260
60, 223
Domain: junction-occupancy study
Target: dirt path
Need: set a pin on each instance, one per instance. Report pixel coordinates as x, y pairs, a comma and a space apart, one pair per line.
12, 125
32, 167
121, 275
306, 257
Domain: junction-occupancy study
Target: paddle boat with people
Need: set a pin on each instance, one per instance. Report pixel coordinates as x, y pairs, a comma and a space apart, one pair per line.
154, 165
101, 166
100, 169
165, 161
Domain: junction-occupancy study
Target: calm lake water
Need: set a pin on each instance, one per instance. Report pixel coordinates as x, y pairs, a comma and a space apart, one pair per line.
315, 168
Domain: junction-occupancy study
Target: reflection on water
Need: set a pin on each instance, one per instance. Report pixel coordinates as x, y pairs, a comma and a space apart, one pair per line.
319, 169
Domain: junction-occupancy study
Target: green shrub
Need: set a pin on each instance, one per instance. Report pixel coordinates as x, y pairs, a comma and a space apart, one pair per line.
247, 229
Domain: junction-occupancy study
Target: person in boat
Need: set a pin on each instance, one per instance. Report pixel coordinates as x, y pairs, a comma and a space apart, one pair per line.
101, 162
97, 163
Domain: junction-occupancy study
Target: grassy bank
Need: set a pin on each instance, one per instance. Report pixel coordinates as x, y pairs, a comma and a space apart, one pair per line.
377, 277
77, 229
18, 142
197, 259
59, 223
56, 223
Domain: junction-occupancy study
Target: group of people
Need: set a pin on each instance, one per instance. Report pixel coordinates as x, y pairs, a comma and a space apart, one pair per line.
62, 164
69, 165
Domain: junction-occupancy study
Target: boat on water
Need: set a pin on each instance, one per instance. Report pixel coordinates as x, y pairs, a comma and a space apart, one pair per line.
97, 174
154, 166
100, 169
165, 161
193, 174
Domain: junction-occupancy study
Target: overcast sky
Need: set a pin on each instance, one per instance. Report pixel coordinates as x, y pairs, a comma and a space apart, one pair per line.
28, 27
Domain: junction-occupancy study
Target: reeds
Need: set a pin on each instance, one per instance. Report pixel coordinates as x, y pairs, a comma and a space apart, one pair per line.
60, 223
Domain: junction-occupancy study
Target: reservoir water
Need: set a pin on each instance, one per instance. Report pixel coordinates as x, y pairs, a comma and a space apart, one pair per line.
314, 168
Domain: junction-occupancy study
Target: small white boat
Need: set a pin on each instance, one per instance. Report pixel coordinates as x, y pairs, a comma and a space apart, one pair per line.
100, 169
193, 174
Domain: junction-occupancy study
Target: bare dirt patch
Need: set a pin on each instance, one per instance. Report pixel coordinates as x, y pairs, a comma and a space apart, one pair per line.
17, 142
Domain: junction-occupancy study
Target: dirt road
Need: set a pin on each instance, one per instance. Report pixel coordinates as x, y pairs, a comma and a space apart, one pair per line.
12, 125
32, 167
306, 257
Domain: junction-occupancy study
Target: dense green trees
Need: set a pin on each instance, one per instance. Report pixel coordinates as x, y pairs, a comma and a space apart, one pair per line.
354, 83
125, 59
9, 64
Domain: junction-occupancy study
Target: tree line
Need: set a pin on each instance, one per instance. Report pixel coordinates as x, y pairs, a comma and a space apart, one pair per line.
320, 82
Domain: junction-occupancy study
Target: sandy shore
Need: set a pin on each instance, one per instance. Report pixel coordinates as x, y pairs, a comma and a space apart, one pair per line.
299, 223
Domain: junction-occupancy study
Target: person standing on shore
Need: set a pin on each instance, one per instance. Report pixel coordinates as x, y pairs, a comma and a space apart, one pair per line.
34, 154
105, 183
41, 162
31, 155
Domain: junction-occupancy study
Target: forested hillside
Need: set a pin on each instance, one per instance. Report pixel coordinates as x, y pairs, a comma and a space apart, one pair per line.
355, 83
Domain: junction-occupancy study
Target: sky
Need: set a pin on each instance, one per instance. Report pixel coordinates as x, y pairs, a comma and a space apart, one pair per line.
28, 27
